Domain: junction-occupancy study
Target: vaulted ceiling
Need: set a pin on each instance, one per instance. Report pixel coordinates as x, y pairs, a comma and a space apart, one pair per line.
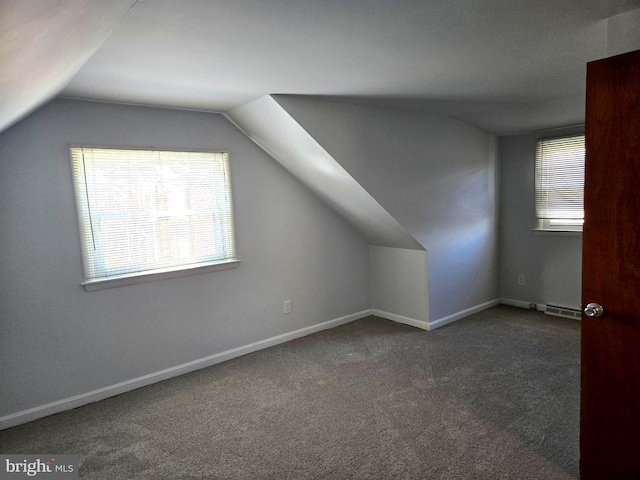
504, 65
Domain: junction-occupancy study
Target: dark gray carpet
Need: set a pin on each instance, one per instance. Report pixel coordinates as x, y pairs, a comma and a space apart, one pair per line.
493, 396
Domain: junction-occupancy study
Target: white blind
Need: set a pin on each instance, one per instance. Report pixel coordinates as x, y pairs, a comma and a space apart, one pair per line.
560, 178
142, 210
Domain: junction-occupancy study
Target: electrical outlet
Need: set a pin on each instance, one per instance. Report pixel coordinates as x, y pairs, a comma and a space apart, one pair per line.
521, 279
287, 306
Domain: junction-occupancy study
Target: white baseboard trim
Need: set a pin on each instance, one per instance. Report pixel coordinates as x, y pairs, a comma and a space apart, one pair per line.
401, 319
522, 304
441, 322
436, 323
70, 403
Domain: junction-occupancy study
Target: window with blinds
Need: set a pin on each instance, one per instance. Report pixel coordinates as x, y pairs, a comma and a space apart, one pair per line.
560, 183
143, 212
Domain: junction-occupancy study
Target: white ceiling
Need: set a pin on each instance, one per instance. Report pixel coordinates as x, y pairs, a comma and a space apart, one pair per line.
504, 65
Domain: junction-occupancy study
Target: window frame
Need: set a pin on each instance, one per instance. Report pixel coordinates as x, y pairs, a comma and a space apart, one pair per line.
155, 274
555, 225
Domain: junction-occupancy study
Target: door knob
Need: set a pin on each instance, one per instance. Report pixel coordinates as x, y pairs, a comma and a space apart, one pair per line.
593, 310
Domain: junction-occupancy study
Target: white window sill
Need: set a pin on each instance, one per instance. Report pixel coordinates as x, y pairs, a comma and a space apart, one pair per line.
557, 233
155, 275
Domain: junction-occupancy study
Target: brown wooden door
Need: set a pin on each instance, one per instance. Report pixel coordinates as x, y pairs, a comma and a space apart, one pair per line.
610, 357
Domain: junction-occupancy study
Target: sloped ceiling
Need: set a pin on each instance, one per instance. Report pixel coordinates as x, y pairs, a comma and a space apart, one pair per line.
273, 129
43, 44
505, 66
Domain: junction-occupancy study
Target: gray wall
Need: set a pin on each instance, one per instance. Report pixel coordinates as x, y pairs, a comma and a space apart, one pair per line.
551, 263
434, 174
57, 341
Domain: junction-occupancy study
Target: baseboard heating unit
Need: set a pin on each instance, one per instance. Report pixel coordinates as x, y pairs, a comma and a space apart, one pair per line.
563, 312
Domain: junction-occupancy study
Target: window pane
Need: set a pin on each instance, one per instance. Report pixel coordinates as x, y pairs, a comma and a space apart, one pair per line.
146, 210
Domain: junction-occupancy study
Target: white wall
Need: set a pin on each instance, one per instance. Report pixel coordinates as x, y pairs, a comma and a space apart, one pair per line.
434, 174
399, 286
57, 341
551, 263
